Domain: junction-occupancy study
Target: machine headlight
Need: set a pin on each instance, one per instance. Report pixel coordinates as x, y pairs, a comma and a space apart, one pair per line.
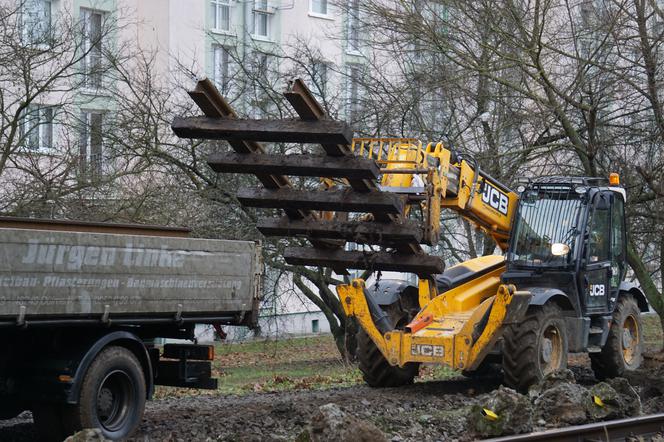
581, 189
559, 249
521, 188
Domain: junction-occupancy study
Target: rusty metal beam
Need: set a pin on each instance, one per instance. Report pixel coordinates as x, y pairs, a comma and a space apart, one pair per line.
330, 200
213, 105
65, 225
421, 264
308, 108
286, 131
297, 165
359, 232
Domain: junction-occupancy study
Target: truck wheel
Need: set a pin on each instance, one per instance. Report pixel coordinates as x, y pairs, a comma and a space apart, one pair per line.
623, 350
376, 370
112, 396
534, 347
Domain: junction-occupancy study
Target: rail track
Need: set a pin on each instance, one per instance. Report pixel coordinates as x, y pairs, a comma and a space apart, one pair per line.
635, 428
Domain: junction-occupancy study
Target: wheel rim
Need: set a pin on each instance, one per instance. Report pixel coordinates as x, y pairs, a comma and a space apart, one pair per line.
551, 350
114, 400
630, 339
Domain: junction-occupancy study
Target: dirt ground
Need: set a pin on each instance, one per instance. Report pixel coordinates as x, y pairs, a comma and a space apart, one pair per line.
263, 403
433, 410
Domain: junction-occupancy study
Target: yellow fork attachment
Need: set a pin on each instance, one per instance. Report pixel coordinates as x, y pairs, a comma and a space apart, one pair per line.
457, 328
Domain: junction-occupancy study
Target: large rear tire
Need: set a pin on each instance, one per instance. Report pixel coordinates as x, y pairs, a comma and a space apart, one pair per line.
112, 397
535, 347
376, 370
623, 350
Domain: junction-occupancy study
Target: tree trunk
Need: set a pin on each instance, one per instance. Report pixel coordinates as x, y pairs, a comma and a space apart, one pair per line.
648, 286
350, 343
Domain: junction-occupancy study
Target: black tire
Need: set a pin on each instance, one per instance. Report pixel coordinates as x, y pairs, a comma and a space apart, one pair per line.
376, 370
112, 396
618, 355
534, 347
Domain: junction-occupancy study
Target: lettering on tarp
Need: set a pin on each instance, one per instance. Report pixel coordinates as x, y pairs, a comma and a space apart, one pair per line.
75, 257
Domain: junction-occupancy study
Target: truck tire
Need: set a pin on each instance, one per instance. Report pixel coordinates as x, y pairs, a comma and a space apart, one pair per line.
376, 370
623, 350
534, 347
112, 395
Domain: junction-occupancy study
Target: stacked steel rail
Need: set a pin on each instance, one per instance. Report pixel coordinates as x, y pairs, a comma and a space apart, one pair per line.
633, 428
384, 223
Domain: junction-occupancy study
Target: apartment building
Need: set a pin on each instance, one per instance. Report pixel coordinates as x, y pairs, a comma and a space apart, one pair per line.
225, 40
233, 42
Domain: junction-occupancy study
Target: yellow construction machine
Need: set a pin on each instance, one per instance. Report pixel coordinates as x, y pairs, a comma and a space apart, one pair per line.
558, 287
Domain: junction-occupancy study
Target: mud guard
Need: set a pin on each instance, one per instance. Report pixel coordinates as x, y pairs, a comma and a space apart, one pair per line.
637, 292
387, 291
542, 295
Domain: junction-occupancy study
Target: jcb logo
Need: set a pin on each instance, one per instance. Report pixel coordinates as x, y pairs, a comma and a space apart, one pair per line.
495, 198
427, 350
597, 290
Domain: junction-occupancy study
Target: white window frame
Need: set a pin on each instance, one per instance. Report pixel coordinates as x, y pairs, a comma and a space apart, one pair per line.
93, 57
262, 11
353, 27
88, 159
221, 68
217, 16
261, 67
320, 74
37, 128
353, 92
314, 13
36, 22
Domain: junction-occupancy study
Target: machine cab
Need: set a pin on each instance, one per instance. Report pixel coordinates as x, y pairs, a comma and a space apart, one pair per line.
570, 232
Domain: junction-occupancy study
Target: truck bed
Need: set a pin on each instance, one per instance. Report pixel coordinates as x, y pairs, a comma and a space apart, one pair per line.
52, 277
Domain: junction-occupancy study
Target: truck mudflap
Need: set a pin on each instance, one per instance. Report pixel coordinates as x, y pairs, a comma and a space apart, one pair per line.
458, 339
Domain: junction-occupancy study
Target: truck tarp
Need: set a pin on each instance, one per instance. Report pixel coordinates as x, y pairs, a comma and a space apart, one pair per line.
52, 274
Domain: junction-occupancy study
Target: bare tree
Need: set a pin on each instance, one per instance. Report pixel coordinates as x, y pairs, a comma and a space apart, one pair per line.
50, 68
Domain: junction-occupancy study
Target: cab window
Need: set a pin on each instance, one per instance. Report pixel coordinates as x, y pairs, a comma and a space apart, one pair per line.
617, 240
600, 234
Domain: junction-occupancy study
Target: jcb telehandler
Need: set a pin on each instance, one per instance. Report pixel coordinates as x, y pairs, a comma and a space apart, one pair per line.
558, 288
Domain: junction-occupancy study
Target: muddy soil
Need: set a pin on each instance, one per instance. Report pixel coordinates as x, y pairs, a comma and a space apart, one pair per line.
423, 411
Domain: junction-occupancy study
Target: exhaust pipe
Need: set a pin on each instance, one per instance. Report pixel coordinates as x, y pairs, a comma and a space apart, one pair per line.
380, 318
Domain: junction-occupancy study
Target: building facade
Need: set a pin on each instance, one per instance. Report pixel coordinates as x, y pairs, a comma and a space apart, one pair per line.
242, 45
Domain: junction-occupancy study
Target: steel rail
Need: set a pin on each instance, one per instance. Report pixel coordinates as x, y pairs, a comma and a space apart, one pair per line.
616, 430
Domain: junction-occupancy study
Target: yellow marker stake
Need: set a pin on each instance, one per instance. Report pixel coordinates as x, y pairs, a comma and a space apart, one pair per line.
489, 415
598, 401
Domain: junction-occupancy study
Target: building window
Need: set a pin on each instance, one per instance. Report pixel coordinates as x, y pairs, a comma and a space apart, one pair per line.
36, 21
220, 11
319, 78
91, 146
353, 99
92, 47
319, 7
315, 328
221, 68
262, 77
261, 16
37, 128
354, 25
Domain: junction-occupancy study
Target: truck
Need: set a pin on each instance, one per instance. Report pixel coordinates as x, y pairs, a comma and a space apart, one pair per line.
558, 284
83, 304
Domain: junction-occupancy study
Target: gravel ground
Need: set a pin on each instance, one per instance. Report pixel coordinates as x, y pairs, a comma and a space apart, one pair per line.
429, 411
